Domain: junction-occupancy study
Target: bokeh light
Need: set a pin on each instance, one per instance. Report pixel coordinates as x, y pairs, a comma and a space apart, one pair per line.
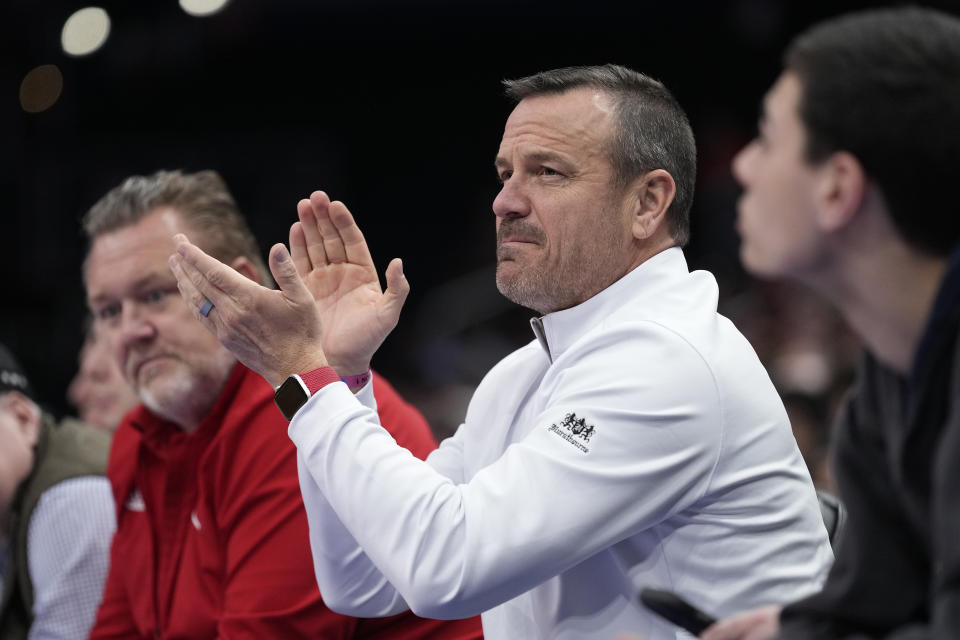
41, 88
85, 31
200, 8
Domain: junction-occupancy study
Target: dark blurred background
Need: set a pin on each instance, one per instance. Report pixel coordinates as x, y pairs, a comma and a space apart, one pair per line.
395, 108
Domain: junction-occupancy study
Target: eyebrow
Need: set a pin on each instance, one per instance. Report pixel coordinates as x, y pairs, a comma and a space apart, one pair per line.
149, 280
537, 156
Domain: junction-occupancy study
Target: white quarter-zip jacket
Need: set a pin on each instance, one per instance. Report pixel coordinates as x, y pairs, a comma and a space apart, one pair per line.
637, 442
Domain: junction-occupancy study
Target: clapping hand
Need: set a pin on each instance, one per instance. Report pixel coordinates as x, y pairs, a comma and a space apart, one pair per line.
333, 260
273, 332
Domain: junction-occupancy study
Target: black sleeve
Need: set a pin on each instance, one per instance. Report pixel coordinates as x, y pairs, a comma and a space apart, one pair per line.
879, 585
945, 507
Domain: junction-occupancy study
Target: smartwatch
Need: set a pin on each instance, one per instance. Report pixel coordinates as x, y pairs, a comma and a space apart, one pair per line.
297, 389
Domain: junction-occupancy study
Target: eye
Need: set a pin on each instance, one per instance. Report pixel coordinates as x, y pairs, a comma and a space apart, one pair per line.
505, 175
107, 312
155, 295
549, 171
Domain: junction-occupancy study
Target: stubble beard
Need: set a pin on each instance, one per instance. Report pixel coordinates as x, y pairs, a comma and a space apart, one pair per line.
527, 286
186, 394
581, 274
526, 289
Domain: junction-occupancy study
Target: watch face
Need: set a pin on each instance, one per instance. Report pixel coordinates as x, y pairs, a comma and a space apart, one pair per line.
290, 397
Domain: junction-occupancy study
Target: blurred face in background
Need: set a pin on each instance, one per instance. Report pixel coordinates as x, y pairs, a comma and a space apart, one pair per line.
19, 426
176, 367
777, 213
98, 392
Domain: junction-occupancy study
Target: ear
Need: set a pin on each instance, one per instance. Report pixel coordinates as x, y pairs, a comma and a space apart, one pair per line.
649, 197
246, 268
841, 192
25, 413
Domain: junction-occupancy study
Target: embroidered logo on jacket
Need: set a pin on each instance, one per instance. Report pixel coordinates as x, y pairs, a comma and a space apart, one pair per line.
135, 501
574, 430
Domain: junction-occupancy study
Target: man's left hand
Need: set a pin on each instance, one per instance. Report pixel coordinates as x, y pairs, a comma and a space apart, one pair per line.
332, 257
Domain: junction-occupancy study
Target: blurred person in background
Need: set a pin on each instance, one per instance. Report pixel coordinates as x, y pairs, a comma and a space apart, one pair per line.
98, 391
850, 188
212, 535
56, 517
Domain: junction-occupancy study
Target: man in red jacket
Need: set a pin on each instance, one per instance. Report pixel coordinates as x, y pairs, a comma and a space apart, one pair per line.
212, 536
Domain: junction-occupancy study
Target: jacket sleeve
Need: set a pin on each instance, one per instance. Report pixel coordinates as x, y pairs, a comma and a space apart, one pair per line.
453, 549
945, 613
267, 593
351, 583
338, 558
401, 419
875, 588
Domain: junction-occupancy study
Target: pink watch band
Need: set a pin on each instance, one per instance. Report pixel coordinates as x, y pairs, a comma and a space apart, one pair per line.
357, 381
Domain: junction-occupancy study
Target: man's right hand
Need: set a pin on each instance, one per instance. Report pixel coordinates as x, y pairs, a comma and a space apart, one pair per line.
333, 260
756, 624
276, 333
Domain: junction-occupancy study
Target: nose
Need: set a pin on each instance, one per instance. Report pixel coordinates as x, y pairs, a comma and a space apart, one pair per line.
743, 162
97, 364
135, 325
135, 328
511, 202
77, 391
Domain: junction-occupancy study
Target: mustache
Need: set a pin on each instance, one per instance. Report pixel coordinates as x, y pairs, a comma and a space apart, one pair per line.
519, 229
135, 359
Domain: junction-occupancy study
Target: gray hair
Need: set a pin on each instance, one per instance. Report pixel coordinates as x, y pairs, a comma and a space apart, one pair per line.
201, 198
651, 129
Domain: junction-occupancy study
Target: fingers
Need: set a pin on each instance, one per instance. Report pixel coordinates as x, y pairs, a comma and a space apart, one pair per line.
190, 290
332, 242
397, 289
298, 249
307, 213
723, 630
209, 272
355, 247
285, 273
756, 624
330, 234
201, 278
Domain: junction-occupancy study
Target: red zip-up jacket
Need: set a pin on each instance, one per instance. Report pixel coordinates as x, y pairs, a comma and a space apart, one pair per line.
212, 536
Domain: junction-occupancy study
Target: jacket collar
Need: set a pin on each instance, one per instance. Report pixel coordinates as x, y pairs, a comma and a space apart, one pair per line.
558, 330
